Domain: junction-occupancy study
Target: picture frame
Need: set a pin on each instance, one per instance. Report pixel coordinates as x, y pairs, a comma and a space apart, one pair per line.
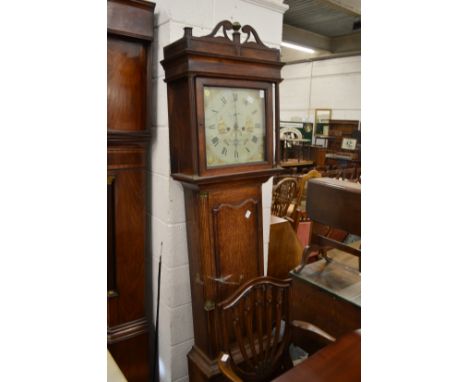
322, 120
348, 144
296, 129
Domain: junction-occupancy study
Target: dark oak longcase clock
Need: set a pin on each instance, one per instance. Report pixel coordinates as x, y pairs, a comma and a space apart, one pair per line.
223, 121
129, 39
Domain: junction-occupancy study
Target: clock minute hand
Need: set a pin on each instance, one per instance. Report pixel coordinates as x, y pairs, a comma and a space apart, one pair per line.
236, 123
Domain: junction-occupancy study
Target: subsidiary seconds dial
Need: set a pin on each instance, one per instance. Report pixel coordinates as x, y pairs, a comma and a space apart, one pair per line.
234, 125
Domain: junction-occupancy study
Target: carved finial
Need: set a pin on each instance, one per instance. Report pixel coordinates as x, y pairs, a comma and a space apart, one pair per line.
236, 28
248, 29
187, 32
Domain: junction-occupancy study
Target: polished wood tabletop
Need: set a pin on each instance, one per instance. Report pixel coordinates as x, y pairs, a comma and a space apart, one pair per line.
338, 362
341, 277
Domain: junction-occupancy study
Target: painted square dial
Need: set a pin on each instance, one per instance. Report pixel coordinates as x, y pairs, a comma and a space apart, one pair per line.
234, 125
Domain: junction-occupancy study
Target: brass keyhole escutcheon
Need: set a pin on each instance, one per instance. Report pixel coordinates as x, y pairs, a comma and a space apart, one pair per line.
209, 305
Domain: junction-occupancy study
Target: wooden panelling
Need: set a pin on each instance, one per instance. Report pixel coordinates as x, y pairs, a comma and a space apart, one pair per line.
126, 158
130, 231
126, 84
131, 18
332, 314
229, 243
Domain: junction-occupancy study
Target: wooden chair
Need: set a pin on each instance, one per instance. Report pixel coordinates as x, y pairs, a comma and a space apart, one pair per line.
255, 331
284, 194
299, 213
279, 178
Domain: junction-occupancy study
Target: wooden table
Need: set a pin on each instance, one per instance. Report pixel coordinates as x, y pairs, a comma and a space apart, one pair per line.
338, 362
329, 295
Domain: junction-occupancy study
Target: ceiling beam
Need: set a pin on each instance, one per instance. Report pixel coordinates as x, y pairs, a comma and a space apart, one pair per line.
346, 43
351, 7
306, 38
324, 57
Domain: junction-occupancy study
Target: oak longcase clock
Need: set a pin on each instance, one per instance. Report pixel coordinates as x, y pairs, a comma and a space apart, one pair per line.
223, 125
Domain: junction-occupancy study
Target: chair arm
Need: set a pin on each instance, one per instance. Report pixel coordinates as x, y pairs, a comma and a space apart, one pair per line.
312, 328
224, 365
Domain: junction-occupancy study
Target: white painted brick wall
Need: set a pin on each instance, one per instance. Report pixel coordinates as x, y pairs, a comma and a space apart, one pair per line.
160, 161
168, 208
161, 116
179, 357
296, 71
345, 94
174, 239
333, 84
176, 279
336, 66
294, 94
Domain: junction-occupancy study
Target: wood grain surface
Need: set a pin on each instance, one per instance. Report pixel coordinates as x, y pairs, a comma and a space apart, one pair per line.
338, 362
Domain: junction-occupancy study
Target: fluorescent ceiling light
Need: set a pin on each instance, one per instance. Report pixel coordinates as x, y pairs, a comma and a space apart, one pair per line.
297, 47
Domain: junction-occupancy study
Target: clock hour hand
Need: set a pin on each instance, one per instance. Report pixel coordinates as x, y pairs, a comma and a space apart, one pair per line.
236, 123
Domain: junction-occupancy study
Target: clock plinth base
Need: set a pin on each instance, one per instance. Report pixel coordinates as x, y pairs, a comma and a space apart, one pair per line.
202, 368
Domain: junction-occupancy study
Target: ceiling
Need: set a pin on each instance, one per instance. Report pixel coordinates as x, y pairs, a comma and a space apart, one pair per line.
330, 27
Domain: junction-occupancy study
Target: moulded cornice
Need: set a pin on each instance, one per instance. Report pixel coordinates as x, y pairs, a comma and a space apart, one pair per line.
274, 5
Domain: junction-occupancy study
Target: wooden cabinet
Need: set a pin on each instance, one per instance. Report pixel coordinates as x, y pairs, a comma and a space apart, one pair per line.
317, 155
130, 33
339, 129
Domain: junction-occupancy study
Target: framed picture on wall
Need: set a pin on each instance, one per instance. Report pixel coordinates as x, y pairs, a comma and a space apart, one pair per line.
349, 143
296, 129
322, 120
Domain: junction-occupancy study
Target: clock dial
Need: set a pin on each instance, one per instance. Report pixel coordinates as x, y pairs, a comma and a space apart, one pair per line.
234, 125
